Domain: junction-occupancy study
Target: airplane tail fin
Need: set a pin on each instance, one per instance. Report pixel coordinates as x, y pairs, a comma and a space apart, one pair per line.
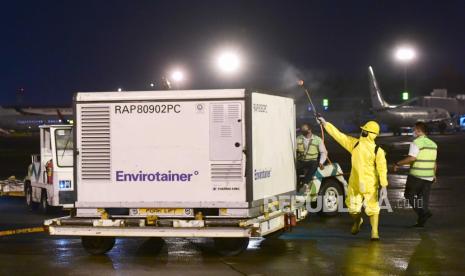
377, 100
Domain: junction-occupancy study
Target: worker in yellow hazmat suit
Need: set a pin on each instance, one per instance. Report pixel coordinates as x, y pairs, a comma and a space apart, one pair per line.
369, 170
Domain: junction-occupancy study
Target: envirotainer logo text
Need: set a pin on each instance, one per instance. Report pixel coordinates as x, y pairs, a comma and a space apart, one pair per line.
168, 176
261, 174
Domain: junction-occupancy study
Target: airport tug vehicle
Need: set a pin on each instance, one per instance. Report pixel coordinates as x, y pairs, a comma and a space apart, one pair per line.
199, 163
326, 190
49, 180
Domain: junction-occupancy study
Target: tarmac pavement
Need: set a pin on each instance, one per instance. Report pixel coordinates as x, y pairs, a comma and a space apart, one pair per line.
318, 246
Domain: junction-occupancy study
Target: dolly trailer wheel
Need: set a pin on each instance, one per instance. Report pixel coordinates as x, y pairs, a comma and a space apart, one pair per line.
97, 245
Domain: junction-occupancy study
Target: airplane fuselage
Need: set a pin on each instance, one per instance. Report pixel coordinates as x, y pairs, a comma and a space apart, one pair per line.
29, 119
398, 117
27, 122
407, 116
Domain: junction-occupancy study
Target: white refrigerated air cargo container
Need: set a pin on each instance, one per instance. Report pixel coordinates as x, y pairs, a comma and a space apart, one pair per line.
188, 149
194, 163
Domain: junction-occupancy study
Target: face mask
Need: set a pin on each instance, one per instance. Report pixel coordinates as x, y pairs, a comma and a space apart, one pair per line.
364, 133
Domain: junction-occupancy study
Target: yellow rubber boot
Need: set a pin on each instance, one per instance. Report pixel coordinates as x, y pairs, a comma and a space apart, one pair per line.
358, 221
374, 219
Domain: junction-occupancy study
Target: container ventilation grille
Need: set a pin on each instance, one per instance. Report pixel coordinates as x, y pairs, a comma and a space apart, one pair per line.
95, 143
225, 131
233, 111
218, 113
226, 172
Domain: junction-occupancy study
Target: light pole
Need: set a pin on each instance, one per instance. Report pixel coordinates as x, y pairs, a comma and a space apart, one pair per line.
405, 54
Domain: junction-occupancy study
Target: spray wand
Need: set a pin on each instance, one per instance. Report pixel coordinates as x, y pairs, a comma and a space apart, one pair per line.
315, 113
302, 84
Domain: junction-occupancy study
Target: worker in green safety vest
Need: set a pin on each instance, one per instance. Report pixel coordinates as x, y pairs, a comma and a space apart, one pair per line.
311, 153
422, 159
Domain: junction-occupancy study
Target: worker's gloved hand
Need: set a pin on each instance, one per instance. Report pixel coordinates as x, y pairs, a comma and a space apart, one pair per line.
321, 120
383, 194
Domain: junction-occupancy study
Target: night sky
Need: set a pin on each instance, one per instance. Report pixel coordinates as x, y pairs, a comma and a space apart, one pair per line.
53, 49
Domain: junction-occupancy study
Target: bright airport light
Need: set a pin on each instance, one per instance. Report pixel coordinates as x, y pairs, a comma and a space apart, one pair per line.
228, 62
120, 89
405, 54
177, 76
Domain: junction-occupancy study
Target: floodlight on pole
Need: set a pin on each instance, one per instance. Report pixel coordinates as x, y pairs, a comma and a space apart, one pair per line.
405, 55
177, 76
228, 61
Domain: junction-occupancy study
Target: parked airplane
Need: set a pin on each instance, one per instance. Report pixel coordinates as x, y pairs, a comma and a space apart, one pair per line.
28, 119
405, 115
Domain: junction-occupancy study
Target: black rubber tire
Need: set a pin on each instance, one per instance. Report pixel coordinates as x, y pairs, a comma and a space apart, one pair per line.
97, 245
31, 205
332, 186
44, 207
230, 246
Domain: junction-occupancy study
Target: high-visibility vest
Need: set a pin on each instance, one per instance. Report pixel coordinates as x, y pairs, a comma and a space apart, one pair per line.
311, 153
426, 158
